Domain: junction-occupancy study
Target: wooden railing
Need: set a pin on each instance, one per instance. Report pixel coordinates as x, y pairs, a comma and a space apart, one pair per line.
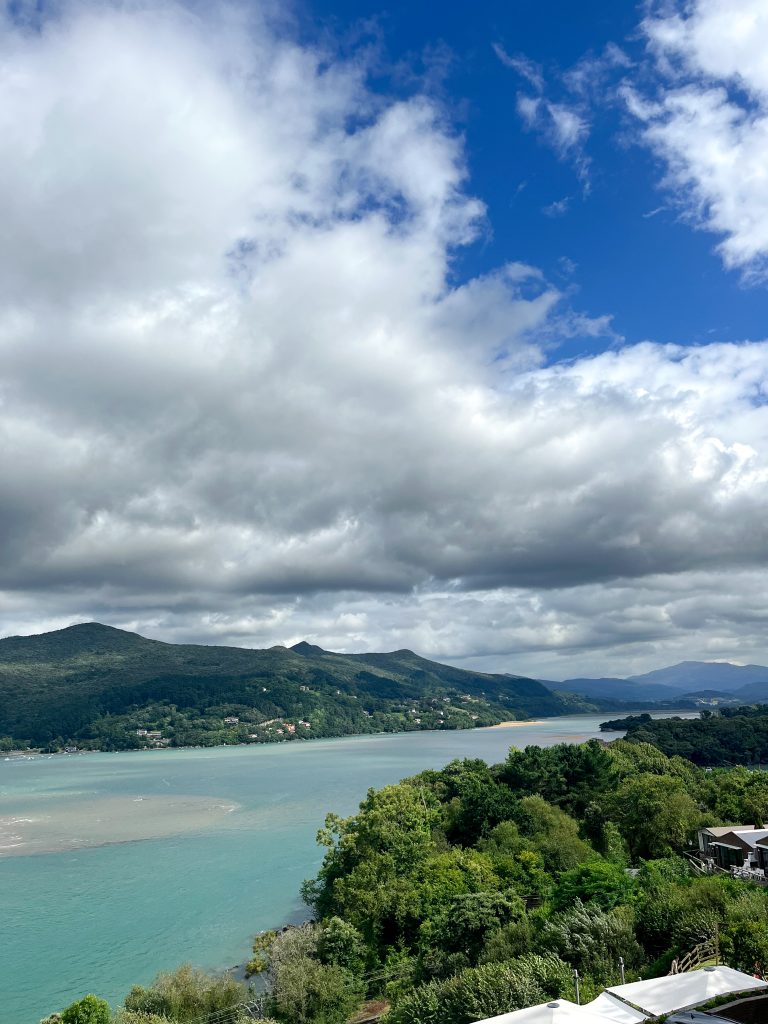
704, 953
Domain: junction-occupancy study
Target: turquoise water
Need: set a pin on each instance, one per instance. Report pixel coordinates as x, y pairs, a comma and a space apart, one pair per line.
227, 838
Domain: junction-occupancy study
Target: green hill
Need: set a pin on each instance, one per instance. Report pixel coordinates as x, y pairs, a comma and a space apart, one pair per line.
94, 686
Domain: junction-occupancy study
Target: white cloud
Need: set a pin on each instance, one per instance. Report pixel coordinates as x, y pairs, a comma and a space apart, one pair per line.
709, 120
565, 123
523, 65
557, 208
568, 126
243, 398
562, 125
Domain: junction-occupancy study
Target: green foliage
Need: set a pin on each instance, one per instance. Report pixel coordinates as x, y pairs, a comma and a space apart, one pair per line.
592, 939
738, 795
481, 992
601, 883
731, 736
303, 989
306, 990
341, 944
510, 941
656, 814
567, 775
553, 833
186, 993
625, 724
132, 1017
749, 945
260, 959
88, 1010
457, 935
515, 862
474, 801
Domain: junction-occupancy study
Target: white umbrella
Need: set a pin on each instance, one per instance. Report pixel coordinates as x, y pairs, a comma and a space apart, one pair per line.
684, 991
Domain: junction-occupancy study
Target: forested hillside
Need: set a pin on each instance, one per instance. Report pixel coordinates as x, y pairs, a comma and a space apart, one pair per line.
96, 686
726, 737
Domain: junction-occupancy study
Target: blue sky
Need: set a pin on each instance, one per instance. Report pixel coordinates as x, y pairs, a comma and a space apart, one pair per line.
388, 326
633, 254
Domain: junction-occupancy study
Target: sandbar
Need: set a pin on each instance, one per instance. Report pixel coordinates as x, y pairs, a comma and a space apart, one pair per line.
64, 825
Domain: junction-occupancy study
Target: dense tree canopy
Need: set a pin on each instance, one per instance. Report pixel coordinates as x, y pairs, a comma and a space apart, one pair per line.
728, 737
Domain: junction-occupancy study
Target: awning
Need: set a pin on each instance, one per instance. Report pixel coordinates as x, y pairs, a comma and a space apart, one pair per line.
685, 991
728, 846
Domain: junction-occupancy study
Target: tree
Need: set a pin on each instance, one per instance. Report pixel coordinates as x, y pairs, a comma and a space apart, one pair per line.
750, 948
553, 833
600, 882
514, 862
134, 1017
592, 939
655, 814
340, 943
302, 989
88, 1010
393, 830
567, 775
464, 924
474, 800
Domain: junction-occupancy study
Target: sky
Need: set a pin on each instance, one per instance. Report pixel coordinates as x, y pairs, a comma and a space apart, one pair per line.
388, 325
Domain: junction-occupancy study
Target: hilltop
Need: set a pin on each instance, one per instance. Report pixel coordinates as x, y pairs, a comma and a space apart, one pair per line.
92, 685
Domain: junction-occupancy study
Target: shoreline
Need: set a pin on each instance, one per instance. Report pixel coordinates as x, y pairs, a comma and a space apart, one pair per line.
9, 755
517, 724
282, 740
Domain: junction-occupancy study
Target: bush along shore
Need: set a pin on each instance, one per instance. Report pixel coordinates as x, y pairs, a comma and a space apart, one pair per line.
466, 892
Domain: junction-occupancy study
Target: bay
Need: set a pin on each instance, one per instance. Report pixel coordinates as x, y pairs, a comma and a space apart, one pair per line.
116, 866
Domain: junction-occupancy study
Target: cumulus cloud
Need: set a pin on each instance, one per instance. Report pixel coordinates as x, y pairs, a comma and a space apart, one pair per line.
706, 116
243, 399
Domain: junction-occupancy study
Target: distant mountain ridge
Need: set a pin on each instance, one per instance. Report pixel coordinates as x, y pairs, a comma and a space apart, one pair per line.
711, 675
98, 685
687, 679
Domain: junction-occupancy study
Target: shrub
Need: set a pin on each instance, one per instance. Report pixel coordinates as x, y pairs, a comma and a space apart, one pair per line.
481, 992
186, 993
88, 1010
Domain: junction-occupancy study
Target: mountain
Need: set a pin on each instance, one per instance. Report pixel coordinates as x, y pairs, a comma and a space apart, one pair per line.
607, 688
752, 692
686, 680
705, 675
94, 685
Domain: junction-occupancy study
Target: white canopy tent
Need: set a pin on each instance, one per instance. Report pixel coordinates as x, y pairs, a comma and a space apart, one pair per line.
559, 1011
612, 1009
685, 991
648, 998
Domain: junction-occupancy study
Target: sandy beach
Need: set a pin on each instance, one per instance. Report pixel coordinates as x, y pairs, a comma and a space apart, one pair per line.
512, 725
